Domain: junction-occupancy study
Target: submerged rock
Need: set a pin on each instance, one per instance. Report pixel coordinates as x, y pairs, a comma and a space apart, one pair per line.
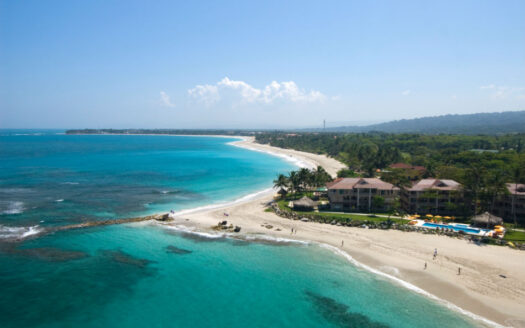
338, 313
175, 250
122, 257
48, 253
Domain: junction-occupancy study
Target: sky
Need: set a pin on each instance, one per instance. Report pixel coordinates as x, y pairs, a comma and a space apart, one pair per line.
264, 64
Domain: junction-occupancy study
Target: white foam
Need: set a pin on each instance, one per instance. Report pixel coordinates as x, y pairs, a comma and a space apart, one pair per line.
59, 200
18, 232
225, 204
410, 286
14, 207
289, 158
275, 239
192, 230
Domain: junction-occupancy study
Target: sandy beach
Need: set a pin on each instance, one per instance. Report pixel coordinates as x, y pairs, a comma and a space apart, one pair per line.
479, 289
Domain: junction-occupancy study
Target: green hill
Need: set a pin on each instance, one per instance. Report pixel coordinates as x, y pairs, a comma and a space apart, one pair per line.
480, 123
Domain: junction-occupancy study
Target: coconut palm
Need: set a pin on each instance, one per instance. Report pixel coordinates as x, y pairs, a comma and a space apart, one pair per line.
320, 177
281, 182
305, 178
517, 175
293, 181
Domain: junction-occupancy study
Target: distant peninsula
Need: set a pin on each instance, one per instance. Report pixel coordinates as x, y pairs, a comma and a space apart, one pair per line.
468, 124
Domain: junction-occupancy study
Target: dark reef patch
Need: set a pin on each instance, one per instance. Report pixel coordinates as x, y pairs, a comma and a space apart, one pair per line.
175, 250
338, 314
122, 257
51, 254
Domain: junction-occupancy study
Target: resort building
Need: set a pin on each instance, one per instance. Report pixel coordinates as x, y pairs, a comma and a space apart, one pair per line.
512, 202
434, 196
361, 194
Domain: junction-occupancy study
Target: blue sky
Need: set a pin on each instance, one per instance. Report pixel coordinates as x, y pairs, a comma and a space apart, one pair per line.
195, 64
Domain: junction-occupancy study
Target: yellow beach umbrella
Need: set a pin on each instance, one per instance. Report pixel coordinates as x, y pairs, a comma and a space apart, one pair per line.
447, 217
429, 215
417, 216
437, 217
498, 226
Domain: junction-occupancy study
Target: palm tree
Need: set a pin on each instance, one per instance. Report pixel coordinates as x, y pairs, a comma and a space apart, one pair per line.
474, 183
496, 187
304, 176
293, 181
517, 175
320, 177
281, 182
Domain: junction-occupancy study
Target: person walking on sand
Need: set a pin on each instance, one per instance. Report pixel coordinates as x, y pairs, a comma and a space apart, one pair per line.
342, 243
459, 271
425, 266
435, 253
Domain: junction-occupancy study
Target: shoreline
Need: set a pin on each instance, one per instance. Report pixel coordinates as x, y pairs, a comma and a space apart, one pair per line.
398, 256
479, 293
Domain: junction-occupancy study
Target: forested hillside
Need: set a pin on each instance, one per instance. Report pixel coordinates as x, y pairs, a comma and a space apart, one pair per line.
481, 123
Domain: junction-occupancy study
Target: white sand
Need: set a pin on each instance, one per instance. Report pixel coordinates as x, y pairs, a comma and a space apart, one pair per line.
479, 289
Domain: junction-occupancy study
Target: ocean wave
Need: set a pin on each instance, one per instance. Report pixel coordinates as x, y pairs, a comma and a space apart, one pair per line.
409, 286
19, 232
186, 229
70, 183
289, 158
14, 207
278, 240
59, 200
242, 199
27, 134
15, 190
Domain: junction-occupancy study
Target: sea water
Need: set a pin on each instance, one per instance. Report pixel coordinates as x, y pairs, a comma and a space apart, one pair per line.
148, 275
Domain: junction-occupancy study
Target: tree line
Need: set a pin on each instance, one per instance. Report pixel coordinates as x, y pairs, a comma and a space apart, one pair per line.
482, 164
302, 180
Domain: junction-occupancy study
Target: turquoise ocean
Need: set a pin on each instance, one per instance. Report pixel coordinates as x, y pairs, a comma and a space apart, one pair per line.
144, 275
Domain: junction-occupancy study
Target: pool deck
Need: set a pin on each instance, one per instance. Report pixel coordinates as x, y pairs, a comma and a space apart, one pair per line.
456, 227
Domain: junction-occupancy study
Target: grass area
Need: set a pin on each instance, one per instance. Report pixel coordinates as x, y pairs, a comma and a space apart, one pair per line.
340, 216
513, 235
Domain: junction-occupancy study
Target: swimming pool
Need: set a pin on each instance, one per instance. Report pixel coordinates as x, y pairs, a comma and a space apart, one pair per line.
461, 227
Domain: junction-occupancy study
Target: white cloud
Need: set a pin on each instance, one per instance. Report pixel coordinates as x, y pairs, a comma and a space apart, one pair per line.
243, 93
165, 100
502, 92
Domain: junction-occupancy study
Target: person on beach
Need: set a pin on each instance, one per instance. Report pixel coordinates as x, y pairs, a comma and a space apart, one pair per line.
342, 243
459, 271
435, 253
291, 233
425, 266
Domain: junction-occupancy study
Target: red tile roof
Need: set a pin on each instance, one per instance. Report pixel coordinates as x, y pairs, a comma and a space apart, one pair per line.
360, 183
435, 184
406, 166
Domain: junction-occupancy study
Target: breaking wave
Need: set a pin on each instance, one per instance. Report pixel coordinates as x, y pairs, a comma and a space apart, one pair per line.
18, 232
14, 207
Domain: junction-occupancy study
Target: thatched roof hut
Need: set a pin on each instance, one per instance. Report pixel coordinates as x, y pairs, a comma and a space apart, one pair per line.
486, 220
282, 192
304, 203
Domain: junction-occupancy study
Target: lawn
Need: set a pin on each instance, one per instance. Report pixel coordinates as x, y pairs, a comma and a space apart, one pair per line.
513, 235
340, 216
